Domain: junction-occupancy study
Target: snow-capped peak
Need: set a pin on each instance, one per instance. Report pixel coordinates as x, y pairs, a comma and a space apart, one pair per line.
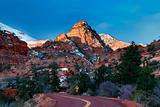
18, 33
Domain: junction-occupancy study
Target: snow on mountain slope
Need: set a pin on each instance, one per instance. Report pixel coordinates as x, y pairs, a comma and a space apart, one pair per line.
113, 42
36, 43
18, 33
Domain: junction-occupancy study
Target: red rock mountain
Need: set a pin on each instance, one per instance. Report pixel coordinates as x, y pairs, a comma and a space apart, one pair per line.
86, 40
80, 44
82, 40
82, 34
12, 49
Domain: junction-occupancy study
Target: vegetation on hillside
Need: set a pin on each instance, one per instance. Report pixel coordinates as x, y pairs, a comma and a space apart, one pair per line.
127, 80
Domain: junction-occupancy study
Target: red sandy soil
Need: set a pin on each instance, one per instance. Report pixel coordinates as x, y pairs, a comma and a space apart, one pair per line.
64, 100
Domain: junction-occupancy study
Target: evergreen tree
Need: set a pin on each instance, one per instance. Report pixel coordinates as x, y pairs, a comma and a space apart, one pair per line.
80, 83
83, 82
55, 82
102, 74
129, 67
146, 80
25, 88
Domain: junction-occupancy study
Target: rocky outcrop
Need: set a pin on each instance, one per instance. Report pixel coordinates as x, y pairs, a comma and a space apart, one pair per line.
84, 41
82, 33
62, 37
12, 49
113, 42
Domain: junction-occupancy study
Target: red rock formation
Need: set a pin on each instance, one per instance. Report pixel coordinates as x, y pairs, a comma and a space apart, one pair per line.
82, 33
10, 93
11, 48
85, 39
62, 37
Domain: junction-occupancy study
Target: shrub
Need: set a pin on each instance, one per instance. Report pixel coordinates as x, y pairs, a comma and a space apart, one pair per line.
72, 90
103, 74
141, 97
126, 91
90, 92
151, 48
146, 81
39, 83
108, 89
4, 67
5, 101
80, 82
155, 97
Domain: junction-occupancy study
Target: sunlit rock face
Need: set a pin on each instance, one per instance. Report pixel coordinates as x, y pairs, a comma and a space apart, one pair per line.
82, 33
113, 42
61, 38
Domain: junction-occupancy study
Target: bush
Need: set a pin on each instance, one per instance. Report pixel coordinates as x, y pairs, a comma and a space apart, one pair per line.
154, 65
151, 48
103, 74
5, 101
141, 97
80, 82
108, 89
39, 82
72, 90
26, 88
126, 91
146, 81
4, 67
90, 92
155, 97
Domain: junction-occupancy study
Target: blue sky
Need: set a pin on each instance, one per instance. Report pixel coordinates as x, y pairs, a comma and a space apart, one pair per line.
127, 20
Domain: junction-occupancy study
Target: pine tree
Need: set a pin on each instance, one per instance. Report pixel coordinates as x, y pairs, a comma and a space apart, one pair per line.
130, 65
55, 82
102, 74
146, 80
84, 82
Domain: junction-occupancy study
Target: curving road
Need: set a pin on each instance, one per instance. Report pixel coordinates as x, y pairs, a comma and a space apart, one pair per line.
64, 100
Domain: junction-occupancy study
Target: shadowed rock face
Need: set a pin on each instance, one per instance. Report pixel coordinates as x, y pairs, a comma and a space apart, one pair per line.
11, 48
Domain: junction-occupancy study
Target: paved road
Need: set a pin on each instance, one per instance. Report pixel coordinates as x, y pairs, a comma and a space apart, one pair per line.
64, 100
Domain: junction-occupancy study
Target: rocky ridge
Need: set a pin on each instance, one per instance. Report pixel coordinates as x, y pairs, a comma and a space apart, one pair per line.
12, 49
